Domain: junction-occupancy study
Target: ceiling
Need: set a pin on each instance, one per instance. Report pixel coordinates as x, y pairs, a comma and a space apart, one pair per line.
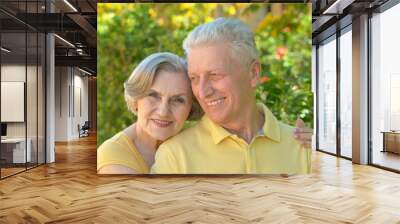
328, 16
74, 22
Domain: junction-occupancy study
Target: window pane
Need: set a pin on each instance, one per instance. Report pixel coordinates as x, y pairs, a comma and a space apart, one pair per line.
15, 150
327, 96
41, 98
386, 88
31, 97
345, 94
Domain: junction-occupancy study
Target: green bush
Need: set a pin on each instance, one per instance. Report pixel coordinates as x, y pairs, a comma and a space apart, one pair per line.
127, 33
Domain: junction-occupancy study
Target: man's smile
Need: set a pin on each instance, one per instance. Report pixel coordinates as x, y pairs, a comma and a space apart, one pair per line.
215, 102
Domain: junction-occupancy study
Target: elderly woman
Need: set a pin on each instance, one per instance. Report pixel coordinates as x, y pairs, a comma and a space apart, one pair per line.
159, 93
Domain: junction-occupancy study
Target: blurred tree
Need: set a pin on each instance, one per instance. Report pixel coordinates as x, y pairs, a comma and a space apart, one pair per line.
284, 43
127, 33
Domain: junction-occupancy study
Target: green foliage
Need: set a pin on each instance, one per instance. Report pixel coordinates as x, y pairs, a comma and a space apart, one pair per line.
127, 33
284, 43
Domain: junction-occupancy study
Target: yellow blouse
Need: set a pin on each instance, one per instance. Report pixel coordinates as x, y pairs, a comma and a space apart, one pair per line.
120, 150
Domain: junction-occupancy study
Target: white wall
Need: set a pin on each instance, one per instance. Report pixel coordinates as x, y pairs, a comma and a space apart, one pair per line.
61, 103
34, 124
80, 100
12, 73
71, 87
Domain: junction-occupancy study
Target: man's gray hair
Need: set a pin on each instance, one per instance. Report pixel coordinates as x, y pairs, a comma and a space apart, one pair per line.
223, 30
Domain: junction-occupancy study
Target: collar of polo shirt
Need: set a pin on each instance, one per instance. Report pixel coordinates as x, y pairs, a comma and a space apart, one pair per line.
270, 128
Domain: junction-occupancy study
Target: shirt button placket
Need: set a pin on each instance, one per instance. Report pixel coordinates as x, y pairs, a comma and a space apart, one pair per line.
245, 148
251, 157
248, 160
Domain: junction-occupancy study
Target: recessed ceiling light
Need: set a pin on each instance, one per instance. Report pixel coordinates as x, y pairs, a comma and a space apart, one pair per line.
5, 49
337, 7
64, 40
84, 71
70, 5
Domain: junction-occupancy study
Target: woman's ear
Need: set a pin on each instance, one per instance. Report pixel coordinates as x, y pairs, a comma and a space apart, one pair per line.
135, 106
132, 105
255, 70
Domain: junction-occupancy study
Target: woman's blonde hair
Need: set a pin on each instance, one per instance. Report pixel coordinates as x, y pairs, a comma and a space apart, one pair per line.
142, 77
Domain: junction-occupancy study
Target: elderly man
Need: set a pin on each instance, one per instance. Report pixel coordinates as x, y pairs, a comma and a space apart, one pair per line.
236, 135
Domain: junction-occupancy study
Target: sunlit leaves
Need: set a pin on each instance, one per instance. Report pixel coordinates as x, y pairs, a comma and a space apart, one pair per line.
127, 33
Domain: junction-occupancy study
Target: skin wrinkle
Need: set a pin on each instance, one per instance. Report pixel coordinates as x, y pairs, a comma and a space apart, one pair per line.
216, 75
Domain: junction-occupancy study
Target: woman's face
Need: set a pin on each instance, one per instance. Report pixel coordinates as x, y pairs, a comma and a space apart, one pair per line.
164, 110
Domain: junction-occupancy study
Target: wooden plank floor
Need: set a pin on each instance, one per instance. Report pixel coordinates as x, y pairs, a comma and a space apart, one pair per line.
69, 191
387, 159
10, 171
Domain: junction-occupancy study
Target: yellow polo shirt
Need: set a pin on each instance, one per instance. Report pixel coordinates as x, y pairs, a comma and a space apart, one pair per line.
207, 148
120, 150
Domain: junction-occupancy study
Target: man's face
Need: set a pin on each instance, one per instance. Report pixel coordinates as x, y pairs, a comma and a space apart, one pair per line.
220, 82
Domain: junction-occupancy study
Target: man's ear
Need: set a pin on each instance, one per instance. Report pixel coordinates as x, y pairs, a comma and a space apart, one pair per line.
255, 70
